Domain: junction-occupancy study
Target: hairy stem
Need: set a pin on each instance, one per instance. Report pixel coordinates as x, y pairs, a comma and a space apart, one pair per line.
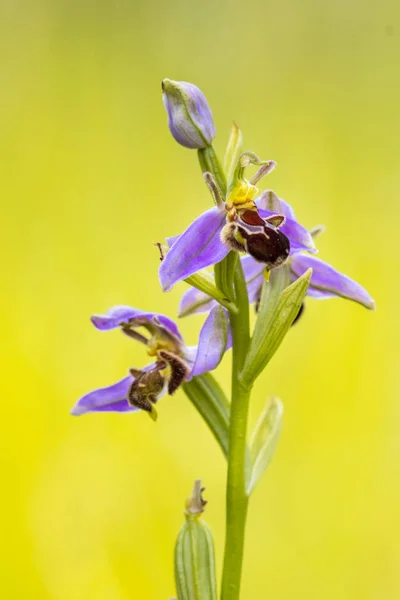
236, 495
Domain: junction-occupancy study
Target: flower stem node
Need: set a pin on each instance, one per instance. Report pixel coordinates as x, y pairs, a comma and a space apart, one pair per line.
189, 116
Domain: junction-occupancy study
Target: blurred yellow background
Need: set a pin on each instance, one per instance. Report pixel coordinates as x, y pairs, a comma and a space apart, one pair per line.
90, 177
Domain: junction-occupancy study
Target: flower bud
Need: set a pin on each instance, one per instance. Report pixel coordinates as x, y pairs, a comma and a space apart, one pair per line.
189, 116
194, 554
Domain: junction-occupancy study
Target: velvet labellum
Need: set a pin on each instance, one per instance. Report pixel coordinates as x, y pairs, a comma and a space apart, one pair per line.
145, 388
258, 237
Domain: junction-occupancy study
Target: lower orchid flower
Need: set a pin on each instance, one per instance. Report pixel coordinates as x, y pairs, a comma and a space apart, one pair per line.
174, 362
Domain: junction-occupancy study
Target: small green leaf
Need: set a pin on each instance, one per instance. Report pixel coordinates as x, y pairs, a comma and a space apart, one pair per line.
272, 328
210, 401
264, 440
232, 152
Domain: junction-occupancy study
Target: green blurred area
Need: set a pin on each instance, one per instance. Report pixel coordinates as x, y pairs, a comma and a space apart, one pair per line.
90, 178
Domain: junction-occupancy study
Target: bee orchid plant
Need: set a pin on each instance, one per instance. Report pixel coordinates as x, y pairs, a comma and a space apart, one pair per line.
248, 248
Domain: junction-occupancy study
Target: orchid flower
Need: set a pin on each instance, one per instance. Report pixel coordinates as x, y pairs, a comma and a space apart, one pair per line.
326, 282
174, 362
239, 223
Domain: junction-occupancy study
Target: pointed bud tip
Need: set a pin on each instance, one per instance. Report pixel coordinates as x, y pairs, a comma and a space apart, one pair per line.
195, 504
166, 84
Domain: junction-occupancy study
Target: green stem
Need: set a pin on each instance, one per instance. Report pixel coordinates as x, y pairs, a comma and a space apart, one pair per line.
238, 459
209, 162
236, 495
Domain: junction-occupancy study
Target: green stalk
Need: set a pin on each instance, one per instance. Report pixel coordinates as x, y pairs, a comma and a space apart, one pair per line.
209, 162
236, 495
238, 459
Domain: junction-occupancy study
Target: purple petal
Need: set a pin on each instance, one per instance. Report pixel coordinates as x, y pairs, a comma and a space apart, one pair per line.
194, 302
112, 398
268, 200
213, 341
197, 248
122, 314
172, 240
327, 281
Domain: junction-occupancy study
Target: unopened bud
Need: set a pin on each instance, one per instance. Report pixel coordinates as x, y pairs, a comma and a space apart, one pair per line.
189, 116
194, 553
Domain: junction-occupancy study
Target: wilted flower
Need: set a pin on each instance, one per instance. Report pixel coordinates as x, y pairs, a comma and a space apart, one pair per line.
174, 362
325, 282
189, 116
241, 223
